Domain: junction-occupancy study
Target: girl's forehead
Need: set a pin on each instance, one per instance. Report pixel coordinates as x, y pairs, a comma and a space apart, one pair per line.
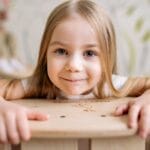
75, 19
74, 27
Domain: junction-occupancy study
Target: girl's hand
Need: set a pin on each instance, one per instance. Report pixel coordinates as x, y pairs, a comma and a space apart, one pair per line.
14, 125
138, 114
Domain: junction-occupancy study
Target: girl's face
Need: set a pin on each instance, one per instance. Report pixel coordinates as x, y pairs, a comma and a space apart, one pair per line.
73, 56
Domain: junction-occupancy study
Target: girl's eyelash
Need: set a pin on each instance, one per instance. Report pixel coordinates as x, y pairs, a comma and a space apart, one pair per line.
60, 51
87, 53
90, 53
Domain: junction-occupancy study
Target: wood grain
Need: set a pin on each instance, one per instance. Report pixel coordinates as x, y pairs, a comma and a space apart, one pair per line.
80, 125
78, 119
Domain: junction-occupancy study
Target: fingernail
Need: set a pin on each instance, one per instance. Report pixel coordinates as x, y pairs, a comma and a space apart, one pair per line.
27, 137
47, 116
143, 134
132, 125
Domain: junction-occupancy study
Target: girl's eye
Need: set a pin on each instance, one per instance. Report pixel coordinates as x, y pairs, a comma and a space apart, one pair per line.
90, 53
61, 51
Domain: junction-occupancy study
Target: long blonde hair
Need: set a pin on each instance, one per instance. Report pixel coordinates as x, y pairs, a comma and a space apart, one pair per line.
40, 84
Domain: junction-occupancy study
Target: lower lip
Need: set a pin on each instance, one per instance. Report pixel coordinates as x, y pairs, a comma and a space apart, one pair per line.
74, 81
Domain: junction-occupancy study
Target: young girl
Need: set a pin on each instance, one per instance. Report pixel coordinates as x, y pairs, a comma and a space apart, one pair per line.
77, 60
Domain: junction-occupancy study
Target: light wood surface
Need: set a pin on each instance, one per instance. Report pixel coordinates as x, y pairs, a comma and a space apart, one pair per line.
127, 143
5, 147
81, 119
46, 144
80, 125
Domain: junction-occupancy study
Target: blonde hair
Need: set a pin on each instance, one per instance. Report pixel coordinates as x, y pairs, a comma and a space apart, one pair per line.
41, 85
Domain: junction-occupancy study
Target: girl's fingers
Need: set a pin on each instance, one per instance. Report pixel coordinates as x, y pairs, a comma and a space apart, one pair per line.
34, 115
144, 122
133, 115
122, 109
12, 133
23, 126
3, 133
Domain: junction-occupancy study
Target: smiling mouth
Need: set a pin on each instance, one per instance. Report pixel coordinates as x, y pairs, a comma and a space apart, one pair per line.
73, 80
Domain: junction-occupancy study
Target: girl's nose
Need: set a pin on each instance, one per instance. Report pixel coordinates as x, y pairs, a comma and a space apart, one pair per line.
74, 64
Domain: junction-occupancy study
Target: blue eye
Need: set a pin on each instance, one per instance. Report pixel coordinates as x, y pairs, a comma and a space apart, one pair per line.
90, 53
61, 51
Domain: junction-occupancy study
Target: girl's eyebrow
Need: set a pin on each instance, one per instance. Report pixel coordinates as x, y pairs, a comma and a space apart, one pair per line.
89, 45
57, 43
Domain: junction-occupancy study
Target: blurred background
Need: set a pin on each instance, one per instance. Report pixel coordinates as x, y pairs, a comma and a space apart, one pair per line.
22, 23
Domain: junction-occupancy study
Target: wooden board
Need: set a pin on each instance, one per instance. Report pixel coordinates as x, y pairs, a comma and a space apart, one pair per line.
78, 119
5, 147
48, 144
122, 143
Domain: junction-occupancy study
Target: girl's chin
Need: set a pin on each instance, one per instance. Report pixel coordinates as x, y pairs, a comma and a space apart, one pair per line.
72, 93
76, 92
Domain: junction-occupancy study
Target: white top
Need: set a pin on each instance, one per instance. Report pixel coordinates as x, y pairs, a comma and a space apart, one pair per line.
118, 82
